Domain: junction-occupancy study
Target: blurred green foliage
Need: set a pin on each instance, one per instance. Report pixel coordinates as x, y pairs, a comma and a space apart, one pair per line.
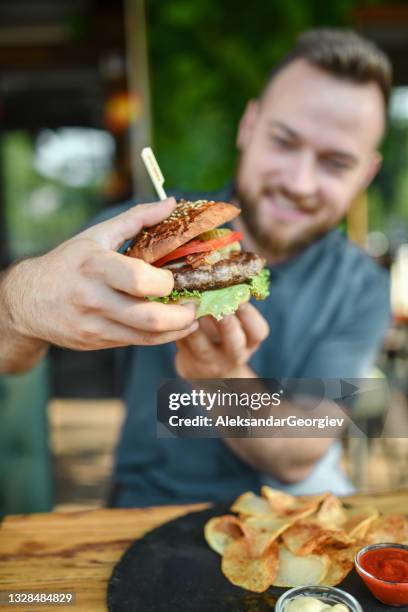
388, 196
208, 59
40, 212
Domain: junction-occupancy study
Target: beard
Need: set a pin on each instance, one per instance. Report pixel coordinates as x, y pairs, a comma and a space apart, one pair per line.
274, 244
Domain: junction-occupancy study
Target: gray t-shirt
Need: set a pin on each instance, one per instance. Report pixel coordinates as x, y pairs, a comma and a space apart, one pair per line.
328, 310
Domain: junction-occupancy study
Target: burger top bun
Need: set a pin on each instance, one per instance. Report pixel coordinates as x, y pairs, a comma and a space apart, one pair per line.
188, 220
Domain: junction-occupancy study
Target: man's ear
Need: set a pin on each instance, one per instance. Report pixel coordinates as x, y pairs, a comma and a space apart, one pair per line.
373, 168
246, 124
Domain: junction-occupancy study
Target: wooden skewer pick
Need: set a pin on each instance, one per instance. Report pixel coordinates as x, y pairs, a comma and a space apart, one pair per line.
154, 171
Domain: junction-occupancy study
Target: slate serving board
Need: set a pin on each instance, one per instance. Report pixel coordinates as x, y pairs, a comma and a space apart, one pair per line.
172, 569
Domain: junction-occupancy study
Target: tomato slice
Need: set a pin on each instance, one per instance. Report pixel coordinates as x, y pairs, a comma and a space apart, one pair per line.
199, 246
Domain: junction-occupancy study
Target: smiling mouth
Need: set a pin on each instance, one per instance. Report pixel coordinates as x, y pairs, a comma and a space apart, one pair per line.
281, 207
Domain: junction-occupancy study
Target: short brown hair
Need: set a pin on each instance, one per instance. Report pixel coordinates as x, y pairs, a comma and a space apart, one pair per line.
344, 54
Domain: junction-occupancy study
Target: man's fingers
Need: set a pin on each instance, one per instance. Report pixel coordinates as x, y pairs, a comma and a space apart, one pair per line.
233, 338
254, 325
144, 315
99, 333
201, 346
209, 326
163, 338
113, 233
132, 276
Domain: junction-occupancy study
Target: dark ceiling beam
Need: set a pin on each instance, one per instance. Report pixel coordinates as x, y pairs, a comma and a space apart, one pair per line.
382, 15
64, 56
102, 31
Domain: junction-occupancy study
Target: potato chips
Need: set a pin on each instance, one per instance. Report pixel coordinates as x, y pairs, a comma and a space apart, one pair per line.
242, 568
300, 571
390, 528
281, 540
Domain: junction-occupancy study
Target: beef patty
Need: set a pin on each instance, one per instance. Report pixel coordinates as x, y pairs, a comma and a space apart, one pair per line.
237, 268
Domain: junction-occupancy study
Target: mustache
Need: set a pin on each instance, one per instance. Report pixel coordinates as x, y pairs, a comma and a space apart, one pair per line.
302, 202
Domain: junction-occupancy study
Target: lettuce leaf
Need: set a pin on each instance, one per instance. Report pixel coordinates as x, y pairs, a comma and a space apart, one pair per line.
222, 302
175, 296
260, 285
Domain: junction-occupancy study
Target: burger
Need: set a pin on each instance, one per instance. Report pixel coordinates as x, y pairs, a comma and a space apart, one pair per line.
206, 261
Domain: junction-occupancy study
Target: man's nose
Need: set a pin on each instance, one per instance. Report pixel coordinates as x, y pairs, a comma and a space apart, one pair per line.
301, 179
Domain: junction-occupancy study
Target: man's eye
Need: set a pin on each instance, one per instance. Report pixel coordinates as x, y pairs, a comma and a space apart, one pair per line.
336, 164
282, 142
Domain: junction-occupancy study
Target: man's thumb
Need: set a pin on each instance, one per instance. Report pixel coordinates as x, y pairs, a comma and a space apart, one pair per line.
113, 233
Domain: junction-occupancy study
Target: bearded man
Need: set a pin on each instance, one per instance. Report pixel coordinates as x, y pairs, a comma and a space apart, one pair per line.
307, 147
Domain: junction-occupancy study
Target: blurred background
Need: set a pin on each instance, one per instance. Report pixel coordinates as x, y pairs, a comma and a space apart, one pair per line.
84, 85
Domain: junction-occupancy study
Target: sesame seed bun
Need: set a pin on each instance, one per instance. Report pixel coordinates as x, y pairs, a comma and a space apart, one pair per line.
188, 220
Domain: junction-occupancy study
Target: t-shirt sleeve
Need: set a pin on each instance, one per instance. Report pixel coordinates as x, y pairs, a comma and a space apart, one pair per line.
350, 348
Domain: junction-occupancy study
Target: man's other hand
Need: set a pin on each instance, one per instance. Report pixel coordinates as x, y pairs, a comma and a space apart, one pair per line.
222, 349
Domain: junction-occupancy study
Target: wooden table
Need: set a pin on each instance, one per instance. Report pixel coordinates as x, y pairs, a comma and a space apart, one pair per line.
76, 551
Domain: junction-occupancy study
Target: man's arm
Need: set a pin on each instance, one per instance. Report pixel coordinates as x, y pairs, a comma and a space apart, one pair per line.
85, 295
222, 350
18, 352
289, 459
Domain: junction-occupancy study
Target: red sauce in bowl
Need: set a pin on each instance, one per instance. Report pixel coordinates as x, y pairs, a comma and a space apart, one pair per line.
389, 564
384, 569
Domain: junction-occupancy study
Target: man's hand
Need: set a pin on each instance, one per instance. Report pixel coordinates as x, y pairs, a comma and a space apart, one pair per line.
84, 295
222, 349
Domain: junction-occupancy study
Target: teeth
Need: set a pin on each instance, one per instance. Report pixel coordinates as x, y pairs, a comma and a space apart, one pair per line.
282, 202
